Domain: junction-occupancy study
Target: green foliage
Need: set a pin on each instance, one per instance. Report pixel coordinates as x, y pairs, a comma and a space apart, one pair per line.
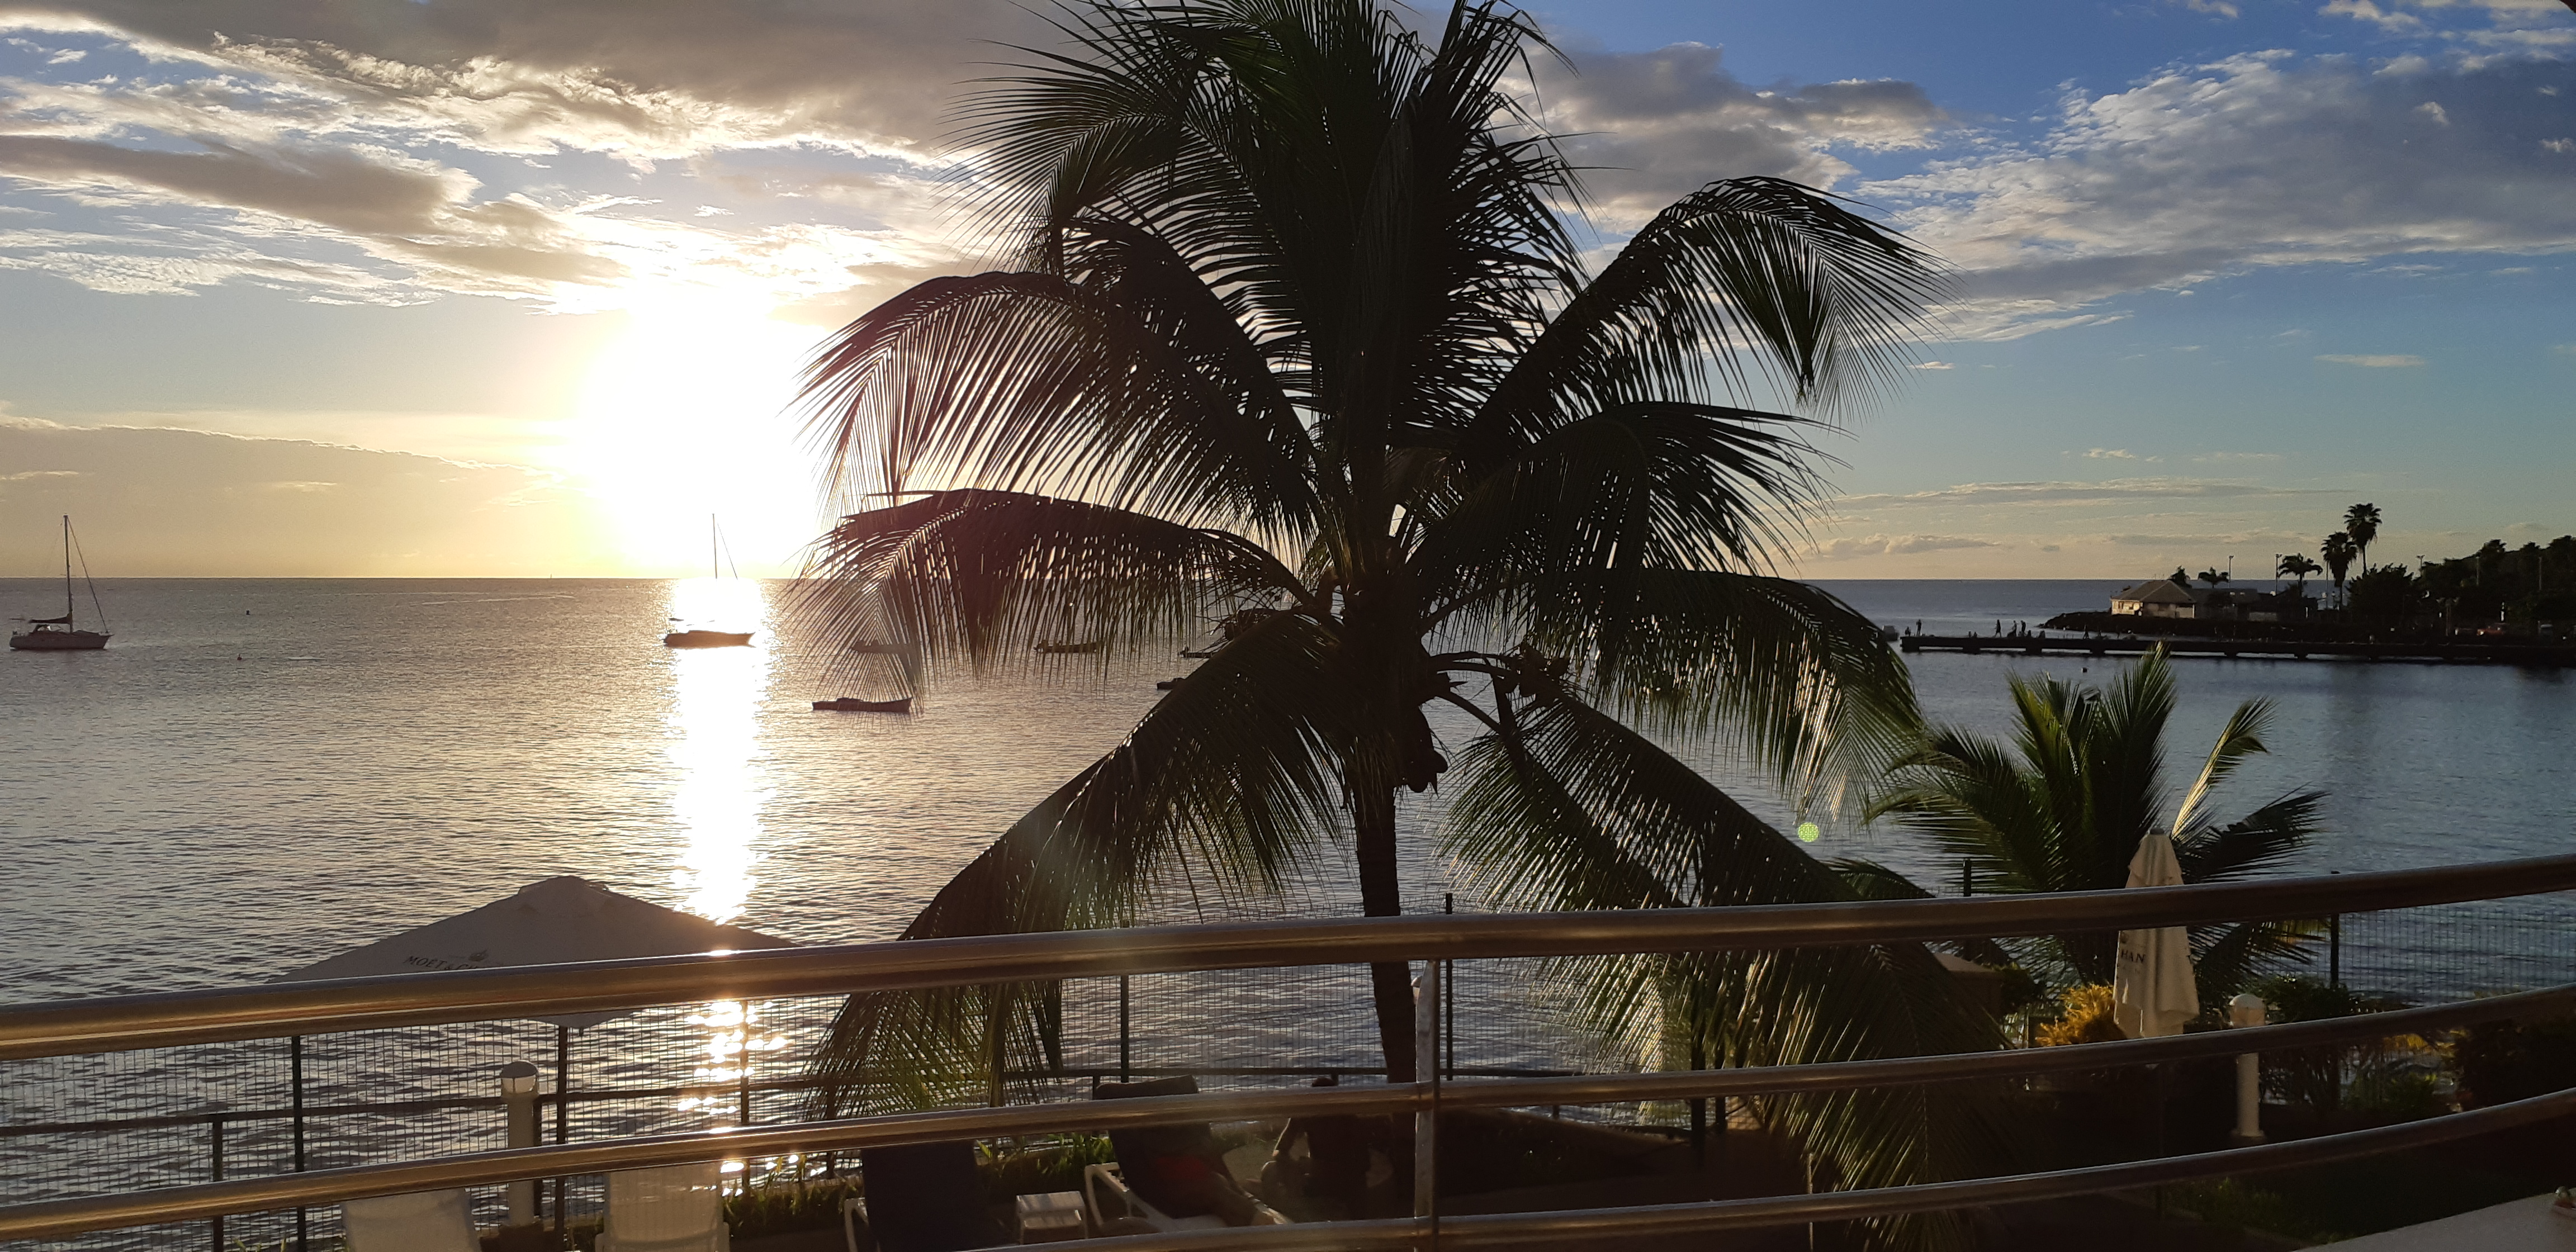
2387, 596
2084, 1015
2364, 1078
2062, 808
778, 1205
2500, 1062
1054, 1166
2235, 1204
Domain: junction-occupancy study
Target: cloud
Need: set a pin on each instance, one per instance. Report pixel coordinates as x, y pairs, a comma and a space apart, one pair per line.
2265, 159
326, 150
1936, 365
184, 503
1893, 545
2380, 361
2234, 457
2564, 349
2067, 493
2109, 454
1654, 126
2365, 11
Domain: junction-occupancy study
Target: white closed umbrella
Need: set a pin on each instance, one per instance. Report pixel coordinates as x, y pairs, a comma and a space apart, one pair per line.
2152, 991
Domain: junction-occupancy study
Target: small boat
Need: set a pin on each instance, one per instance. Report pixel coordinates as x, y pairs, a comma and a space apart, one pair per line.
1072, 649
1198, 656
847, 705
1167, 684
709, 638
63, 634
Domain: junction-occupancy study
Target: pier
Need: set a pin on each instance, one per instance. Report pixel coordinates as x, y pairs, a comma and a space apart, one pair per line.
2431, 652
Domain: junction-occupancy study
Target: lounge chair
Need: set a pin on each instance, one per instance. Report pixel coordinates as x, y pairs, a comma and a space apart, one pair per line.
678, 1208
423, 1221
1168, 1177
921, 1197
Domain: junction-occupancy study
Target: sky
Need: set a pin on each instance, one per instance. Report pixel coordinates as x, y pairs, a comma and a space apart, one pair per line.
483, 287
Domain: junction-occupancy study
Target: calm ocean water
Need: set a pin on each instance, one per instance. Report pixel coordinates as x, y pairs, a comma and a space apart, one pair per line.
258, 774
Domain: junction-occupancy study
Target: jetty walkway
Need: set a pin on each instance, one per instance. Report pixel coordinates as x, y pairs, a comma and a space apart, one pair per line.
2434, 652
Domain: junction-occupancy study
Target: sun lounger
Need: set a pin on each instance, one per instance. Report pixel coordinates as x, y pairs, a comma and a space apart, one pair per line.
1168, 1177
423, 1221
674, 1209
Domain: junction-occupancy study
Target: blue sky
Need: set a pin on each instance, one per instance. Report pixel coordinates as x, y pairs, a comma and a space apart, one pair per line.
485, 287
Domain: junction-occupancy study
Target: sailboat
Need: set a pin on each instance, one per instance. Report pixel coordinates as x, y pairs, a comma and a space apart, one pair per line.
709, 638
62, 634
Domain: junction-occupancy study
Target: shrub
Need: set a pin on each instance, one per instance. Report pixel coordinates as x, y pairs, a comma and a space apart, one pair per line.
2083, 1016
2500, 1062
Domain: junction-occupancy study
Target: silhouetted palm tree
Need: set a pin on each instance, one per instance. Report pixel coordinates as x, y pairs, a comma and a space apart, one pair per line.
2297, 565
2214, 576
2361, 521
1299, 343
2339, 551
2063, 806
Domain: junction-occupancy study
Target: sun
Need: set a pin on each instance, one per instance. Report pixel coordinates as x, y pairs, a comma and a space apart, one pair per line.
686, 416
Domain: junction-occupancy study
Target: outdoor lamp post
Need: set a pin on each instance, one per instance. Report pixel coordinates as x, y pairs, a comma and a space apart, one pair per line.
2248, 1009
519, 1098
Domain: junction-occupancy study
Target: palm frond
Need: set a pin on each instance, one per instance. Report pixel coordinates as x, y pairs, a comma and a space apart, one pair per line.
1226, 787
986, 576
1776, 668
1822, 299
2242, 737
1567, 808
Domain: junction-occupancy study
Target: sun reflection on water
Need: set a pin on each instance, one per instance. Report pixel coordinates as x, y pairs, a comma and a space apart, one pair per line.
715, 746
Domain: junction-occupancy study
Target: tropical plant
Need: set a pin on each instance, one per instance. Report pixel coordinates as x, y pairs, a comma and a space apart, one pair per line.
2064, 806
1299, 343
2339, 551
2215, 576
2361, 521
2297, 565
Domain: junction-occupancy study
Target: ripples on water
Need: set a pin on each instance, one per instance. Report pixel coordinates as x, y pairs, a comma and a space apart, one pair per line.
258, 774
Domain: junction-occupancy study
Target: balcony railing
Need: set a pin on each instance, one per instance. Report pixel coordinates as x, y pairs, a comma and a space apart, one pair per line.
274, 1011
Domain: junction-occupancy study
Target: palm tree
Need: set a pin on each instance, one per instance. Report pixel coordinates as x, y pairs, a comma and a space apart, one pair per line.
2297, 565
2339, 551
2068, 813
2214, 576
1298, 343
2361, 521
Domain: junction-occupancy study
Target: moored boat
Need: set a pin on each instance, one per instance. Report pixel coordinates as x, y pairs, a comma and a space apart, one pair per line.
63, 634
846, 704
1071, 649
694, 638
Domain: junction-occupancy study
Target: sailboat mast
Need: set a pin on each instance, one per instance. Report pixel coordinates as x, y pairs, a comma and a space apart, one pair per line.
67, 569
714, 569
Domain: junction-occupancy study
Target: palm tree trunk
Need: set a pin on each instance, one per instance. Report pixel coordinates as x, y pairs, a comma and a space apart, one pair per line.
1390, 982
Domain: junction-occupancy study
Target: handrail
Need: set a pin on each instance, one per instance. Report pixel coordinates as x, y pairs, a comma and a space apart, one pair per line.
162, 1020
61, 1217
1610, 1225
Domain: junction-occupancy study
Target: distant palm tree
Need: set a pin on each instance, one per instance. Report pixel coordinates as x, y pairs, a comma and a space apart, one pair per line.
2339, 551
2361, 521
1300, 345
2297, 565
2063, 807
2214, 576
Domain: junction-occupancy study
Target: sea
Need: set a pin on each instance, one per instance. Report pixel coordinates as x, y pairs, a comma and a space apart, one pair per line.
257, 774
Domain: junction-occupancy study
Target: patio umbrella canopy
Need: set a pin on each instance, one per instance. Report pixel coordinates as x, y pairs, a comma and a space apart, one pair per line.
547, 922
2152, 991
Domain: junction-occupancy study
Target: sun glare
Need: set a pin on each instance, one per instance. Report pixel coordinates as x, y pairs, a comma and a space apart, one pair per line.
685, 416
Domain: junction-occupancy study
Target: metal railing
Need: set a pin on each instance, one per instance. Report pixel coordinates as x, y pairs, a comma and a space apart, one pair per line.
271, 1011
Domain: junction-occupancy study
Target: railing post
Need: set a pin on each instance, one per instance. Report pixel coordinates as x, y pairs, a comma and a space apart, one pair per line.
1126, 1041
519, 1105
563, 1112
215, 1150
2248, 1010
1426, 1121
295, 1079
